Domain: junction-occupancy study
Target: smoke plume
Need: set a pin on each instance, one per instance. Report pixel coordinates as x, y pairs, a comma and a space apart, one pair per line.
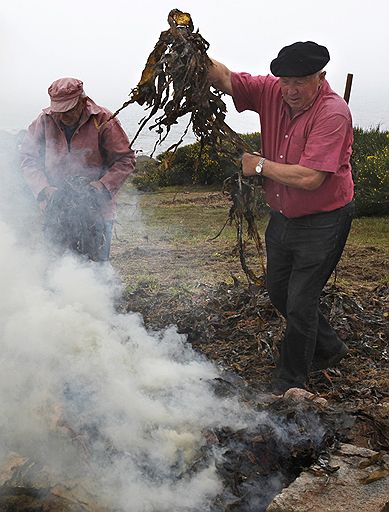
93, 396
88, 391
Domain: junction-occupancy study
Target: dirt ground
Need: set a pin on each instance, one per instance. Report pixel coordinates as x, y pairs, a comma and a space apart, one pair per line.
201, 288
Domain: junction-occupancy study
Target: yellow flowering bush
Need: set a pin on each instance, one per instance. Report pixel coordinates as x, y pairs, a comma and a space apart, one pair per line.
370, 161
192, 164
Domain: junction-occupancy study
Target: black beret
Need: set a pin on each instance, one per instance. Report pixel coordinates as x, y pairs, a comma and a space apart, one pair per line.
300, 59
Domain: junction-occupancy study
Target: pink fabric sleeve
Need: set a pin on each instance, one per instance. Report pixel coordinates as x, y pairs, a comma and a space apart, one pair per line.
119, 157
32, 157
247, 91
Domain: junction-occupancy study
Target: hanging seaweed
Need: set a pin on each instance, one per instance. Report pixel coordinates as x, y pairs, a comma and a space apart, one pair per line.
175, 83
244, 196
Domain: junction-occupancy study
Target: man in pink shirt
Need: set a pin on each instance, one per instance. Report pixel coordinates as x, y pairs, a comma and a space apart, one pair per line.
307, 134
70, 144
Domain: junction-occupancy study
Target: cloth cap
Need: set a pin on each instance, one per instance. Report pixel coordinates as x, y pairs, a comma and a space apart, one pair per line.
300, 59
64, 94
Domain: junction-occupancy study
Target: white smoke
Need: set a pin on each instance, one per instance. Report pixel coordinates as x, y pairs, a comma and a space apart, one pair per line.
91, 393
84, 388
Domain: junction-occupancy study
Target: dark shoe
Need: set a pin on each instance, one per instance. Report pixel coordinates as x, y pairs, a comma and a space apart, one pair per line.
280, 386
324, 363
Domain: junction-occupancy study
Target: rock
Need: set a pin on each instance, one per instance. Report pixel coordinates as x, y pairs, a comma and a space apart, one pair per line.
343, 490
299, 394
27, 486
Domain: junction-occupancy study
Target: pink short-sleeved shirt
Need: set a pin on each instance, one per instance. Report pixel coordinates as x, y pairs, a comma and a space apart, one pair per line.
319, 138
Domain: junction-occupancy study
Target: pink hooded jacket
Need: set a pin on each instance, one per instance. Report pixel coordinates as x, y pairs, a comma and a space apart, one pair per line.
97, 150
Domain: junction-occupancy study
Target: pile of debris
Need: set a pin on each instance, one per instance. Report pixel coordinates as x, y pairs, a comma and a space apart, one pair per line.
237, 327
73, 218
254, 465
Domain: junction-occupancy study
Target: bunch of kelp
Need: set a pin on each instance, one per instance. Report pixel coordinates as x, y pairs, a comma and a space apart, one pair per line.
175, 83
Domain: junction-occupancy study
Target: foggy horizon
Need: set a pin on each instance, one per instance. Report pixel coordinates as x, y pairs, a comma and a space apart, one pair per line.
106, 46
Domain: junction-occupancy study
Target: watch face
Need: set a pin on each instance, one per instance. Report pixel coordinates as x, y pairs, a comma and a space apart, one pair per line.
259, 167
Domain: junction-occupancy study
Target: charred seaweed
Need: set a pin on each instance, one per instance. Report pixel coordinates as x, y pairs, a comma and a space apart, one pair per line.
73, 218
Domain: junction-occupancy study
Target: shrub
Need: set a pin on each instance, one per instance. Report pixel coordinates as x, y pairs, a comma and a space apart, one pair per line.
146, 176
370, 161
191, 165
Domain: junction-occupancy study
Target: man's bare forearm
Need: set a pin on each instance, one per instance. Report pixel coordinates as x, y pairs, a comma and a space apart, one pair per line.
220, 77
295, 176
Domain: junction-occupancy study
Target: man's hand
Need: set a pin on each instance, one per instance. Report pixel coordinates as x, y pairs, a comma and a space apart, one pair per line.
97, 185
249, 163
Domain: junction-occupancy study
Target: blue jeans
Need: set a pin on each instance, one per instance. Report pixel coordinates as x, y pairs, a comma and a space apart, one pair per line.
100, 249
106, 246
301, 255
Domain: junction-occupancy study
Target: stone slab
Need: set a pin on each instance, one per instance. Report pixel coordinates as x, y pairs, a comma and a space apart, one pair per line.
342, 491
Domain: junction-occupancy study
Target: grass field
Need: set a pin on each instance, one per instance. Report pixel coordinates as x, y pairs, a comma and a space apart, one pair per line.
164, 239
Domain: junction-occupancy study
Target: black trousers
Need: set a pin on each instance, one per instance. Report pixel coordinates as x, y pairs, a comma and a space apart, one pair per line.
301, 255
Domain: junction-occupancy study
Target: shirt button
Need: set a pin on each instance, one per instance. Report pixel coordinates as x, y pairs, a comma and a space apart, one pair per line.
286, 136
280, 211
281, 156
277, 195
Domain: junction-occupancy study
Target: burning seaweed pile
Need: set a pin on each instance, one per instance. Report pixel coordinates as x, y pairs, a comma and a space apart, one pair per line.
253, 464
73, 218
237, 326
293, 434
100, 414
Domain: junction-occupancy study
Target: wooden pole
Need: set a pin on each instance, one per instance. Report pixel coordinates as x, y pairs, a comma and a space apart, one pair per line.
347, 89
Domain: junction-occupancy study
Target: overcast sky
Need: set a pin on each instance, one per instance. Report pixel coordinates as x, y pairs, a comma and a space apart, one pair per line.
106, 43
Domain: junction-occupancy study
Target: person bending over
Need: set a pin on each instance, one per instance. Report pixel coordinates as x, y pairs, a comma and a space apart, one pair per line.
75, 162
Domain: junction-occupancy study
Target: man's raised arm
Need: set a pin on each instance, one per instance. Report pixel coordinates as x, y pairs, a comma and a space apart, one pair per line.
220, 77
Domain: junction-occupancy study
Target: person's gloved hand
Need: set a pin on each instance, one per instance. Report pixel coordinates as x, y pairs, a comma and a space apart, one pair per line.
45, 195
102, 193
97, 186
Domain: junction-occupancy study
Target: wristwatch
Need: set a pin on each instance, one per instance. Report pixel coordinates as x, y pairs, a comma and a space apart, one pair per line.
259, 166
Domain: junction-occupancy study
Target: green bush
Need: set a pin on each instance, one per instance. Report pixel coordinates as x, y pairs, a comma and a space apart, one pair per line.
191, 165
147, 176
370, 162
